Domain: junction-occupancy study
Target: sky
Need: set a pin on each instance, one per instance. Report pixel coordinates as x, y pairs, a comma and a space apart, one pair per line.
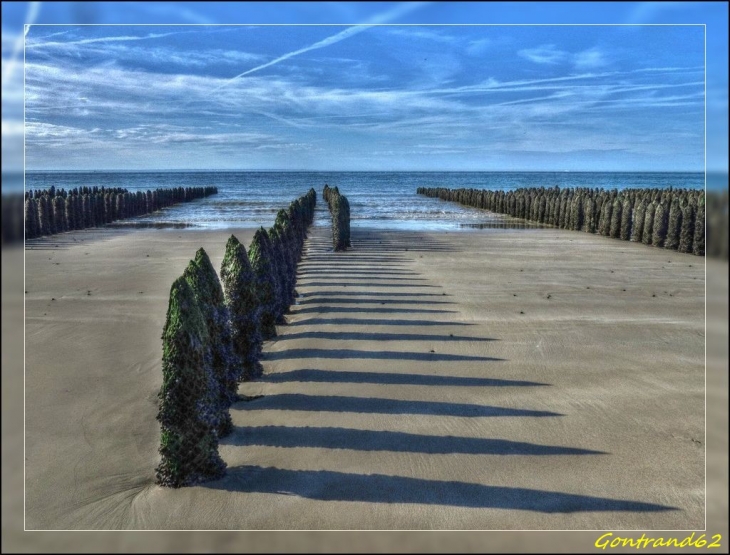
366, 97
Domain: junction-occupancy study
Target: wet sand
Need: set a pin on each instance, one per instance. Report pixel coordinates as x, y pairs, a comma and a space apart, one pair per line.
484, 380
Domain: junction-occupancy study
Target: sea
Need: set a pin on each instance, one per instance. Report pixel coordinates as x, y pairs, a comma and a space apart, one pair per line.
385, 200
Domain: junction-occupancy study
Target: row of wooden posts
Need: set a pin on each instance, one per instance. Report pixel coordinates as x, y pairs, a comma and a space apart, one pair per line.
13, 216
668, 218
52, 211
212, 340
339, 208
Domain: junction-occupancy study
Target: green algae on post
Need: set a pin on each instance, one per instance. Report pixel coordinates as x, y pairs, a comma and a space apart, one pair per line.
241, 298
340, 212
263, 270
203, 280
189, 442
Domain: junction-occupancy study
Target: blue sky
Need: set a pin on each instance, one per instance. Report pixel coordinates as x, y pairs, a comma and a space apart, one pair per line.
365, 97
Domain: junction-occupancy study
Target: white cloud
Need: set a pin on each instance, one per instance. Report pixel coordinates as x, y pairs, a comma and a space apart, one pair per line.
589, 59
549, 54
545, 54
478, 47
41, 136
421, 33
41, 129
40, 43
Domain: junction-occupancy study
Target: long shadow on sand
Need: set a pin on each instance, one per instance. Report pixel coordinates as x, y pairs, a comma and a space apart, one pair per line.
67, 239
319, 300
338, 271
361, 277
373, 355
374, 405
373, 322
368, 268
370, 294
399, 442
388, 378
327, 485
378, 336
357, 282
373, 310
402, 246
359, 258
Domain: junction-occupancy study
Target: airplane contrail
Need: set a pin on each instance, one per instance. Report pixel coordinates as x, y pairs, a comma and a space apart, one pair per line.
384, 17
98, 39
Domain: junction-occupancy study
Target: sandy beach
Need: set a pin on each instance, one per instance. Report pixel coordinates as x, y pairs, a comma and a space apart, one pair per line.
484, 380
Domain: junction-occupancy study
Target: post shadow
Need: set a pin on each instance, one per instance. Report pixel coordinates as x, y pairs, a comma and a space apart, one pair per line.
352, 257
314, 300
372, 310
398, 442
66, 239
373, 322
402, 247
328, 485
340, 283
366, 278
375, 355
398, 246
388, 378
352, 264
371, 294
303, 272
405, 247
375, 405
378, 336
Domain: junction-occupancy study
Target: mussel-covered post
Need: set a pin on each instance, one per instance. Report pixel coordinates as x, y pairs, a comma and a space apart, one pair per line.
32, 225
239, 290
259, 254
45, 215
204, 282
659, 228
282, 228
674, 225
189, 441
340, 211
276, 244
698, 246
